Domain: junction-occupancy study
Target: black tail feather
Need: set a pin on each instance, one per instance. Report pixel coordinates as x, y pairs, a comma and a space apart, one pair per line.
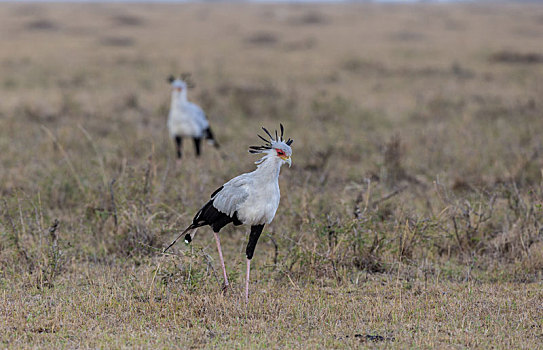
208, 215
209, 136
190, 228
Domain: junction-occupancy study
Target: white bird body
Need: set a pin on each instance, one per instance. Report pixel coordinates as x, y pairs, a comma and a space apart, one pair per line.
250, 198
186, 118
253, 196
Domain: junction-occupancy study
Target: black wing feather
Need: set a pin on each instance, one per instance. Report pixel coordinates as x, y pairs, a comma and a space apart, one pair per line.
209, 215
216, 191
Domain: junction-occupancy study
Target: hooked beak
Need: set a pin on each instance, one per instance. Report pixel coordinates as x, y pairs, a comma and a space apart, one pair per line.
287, 160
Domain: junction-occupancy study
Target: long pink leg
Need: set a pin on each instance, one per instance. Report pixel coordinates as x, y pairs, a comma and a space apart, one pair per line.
225, 287
247, 281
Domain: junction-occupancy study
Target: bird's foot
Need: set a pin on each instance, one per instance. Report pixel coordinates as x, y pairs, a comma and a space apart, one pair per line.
225, 288
178, 162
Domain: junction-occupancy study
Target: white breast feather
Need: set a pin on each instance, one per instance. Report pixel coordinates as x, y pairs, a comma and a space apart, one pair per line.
187, 119
261, 205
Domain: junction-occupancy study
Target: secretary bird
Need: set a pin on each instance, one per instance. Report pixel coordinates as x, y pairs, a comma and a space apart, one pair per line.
249, 199
187, 119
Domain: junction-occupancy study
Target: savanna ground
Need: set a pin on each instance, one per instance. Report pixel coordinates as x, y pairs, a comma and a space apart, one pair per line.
411, 217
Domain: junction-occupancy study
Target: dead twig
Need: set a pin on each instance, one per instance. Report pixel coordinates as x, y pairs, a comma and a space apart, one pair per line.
54, 253
209, 263
388, 196
276, 251
15, 235
67, 158
98, 155
113, 206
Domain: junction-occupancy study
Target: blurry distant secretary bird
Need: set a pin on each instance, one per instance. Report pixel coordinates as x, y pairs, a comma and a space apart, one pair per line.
186, 119
250, 199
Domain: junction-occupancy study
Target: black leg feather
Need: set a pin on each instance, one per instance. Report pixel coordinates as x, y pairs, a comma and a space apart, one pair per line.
256, 230
178, 144
197, 143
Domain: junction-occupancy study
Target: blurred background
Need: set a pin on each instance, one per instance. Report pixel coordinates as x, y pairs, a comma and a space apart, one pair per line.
417, 140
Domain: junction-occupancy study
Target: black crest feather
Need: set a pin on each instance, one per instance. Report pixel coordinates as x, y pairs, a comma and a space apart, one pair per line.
187, 78
267, 132
268, 143
263, 139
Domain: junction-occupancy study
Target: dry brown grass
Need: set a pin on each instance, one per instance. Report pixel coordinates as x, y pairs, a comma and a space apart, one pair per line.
116, 306
412, 215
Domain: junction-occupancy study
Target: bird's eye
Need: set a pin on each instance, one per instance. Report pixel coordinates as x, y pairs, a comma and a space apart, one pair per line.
279, 152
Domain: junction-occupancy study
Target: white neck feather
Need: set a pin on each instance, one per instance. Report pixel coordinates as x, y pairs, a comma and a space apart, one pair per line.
179, 98
268, 168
